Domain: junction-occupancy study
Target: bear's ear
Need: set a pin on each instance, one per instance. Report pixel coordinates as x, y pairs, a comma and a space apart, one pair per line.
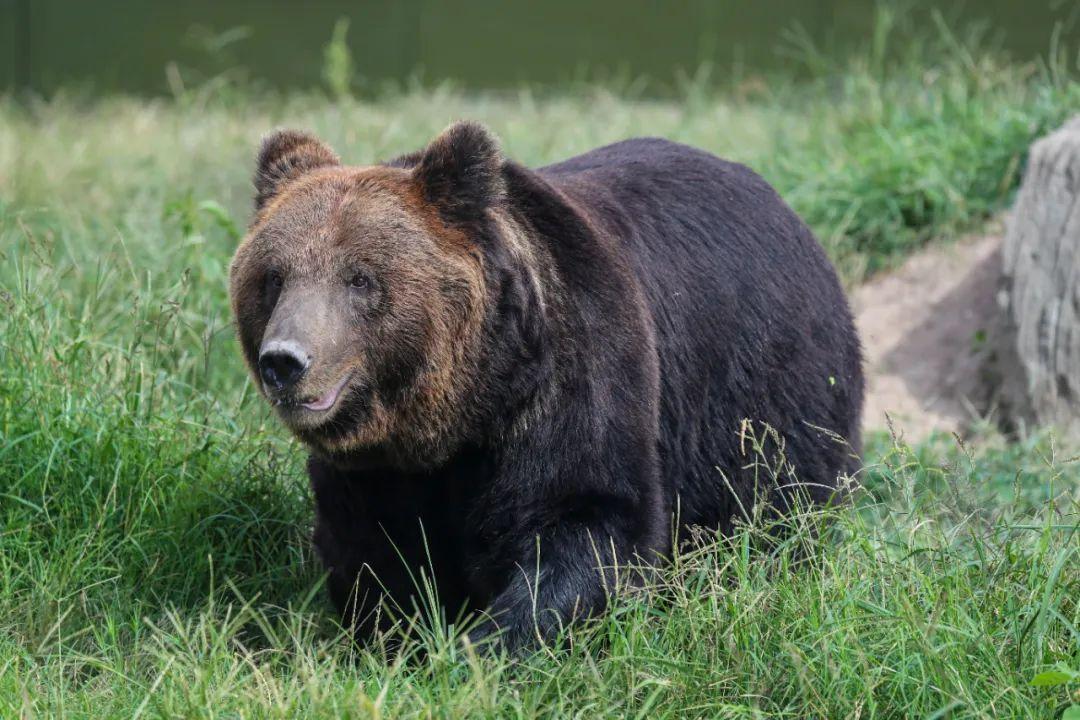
284, 156
460, 172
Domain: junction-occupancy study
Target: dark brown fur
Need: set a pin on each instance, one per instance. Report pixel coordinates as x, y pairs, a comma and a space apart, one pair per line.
537, 367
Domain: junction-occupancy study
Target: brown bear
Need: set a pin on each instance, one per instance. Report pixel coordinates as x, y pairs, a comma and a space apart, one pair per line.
511, 380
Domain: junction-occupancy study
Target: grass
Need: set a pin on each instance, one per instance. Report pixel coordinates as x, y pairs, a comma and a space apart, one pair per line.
154, 518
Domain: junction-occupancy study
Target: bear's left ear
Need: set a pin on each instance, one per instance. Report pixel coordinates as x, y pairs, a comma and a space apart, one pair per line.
284, 156
461, 171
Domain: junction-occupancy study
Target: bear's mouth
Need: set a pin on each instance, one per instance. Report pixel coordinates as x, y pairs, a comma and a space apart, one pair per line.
328, 399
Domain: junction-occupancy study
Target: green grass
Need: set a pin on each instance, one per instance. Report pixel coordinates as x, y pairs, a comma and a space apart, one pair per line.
154, 518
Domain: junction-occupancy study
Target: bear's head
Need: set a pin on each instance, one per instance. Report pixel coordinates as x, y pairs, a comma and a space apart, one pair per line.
360, 293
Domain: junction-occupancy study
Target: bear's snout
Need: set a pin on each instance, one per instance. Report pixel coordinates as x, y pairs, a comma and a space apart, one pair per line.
282, 363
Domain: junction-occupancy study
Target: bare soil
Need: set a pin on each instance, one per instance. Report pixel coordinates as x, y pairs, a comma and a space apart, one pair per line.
927, 330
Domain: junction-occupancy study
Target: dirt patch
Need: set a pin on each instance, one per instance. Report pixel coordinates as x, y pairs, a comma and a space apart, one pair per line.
927, 331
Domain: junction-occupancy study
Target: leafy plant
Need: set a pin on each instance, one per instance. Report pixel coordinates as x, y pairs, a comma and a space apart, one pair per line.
196, 218
1061, 676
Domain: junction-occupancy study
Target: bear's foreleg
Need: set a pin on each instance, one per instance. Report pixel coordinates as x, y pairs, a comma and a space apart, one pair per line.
567, 574
589, 522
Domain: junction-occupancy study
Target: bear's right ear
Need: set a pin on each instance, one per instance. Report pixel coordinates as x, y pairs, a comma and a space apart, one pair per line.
284, 156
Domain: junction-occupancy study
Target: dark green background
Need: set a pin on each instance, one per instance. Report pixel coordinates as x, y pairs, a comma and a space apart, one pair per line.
125, 45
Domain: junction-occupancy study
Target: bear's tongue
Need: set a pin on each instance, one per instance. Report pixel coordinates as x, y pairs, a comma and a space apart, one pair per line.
327, 401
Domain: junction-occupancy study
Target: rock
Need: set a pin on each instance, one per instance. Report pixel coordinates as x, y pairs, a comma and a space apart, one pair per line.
1040, 287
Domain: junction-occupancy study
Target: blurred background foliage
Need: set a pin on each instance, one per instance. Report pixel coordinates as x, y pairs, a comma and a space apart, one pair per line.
109, 46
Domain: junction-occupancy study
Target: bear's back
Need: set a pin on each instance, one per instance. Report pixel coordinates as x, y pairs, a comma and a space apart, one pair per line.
750, 320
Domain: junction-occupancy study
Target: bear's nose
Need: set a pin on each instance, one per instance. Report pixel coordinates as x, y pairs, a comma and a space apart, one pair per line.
281, 365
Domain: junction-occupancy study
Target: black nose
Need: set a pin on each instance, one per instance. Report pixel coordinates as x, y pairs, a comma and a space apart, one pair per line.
281, 367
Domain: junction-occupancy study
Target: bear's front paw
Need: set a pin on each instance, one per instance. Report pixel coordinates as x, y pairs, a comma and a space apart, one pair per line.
492, 637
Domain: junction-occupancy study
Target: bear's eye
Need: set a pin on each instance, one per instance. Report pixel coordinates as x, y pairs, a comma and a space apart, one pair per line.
274, 281
360, 281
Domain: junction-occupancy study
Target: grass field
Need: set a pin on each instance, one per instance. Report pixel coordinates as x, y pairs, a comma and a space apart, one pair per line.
154, 518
